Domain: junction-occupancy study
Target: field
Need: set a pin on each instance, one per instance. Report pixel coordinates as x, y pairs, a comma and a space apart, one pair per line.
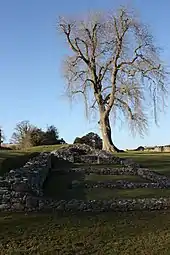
156, 161
126, 234
13, 159
10, 159
105, 233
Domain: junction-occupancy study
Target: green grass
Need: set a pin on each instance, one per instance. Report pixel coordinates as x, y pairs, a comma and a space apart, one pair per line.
58, 186
133, 233
156, 161
45, 148
130, 233
12, 159
105, 194
96, 177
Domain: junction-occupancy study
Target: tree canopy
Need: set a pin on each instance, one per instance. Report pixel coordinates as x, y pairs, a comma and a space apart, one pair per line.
115, 65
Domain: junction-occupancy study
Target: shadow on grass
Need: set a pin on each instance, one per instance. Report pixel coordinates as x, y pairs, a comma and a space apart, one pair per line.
14, 160
107, 194
59, 183
59, 186
96, 177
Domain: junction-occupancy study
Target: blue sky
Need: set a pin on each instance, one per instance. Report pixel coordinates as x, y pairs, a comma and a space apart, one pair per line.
31, 52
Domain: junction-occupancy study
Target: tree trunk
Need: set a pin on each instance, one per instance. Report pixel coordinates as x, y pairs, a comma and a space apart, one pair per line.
106, 134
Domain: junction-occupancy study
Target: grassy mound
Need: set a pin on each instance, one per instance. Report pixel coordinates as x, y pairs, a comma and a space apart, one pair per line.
12, 159
45, 148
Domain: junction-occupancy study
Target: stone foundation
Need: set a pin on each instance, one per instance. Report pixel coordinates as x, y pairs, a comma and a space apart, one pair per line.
122, 184
107, 205
156, 178
22, 189
94, 206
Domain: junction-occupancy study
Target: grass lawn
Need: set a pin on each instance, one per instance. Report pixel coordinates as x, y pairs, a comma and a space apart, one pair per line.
58, 186
104, 194
156, 161
133, 233
130, 233
45, 148
130, 178
11, 159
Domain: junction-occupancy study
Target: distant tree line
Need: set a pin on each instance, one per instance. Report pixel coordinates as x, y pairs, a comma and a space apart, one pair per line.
27, 135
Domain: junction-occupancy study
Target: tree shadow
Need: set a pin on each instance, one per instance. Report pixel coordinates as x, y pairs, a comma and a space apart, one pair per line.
57, 163
61, 184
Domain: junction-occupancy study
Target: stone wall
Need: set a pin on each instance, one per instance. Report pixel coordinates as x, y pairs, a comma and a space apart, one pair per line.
20, 188
159, 180
105, 205
153, 176
122, 184
103, 170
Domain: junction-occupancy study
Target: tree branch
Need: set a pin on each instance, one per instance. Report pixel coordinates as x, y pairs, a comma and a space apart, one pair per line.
86, 46
133, 60
93, 105
126, 107
67, 30
105, 69
80, 52
108, 87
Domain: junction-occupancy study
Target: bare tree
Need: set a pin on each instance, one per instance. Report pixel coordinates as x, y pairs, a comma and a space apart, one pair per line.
22, 134
27, 135
116, 67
